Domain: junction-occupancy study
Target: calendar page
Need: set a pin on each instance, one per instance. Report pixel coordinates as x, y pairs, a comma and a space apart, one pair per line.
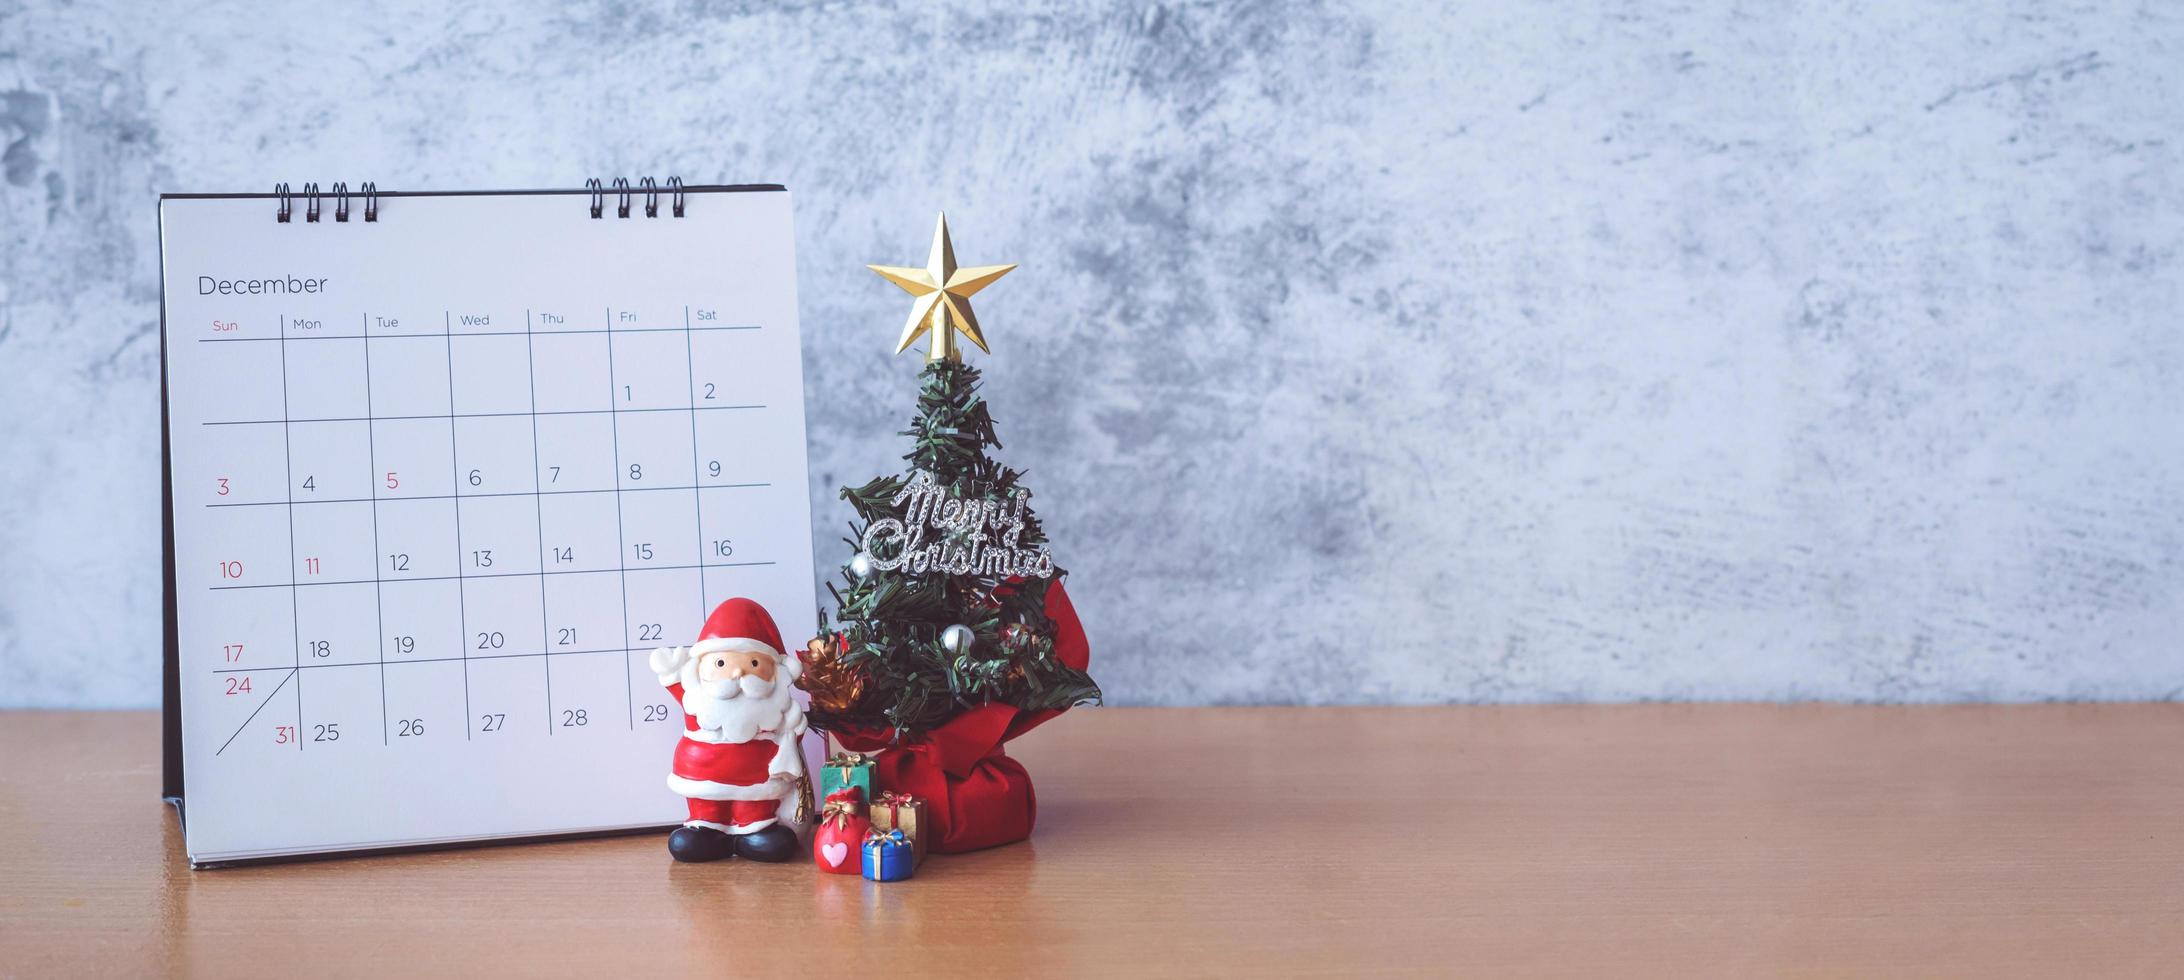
439, 483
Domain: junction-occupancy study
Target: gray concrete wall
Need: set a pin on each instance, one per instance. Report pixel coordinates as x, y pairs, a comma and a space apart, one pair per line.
1400, 352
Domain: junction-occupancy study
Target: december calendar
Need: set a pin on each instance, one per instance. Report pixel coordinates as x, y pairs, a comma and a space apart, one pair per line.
442, 470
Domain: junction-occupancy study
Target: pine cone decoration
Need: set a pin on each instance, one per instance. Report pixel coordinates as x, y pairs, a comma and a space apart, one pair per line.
835, 687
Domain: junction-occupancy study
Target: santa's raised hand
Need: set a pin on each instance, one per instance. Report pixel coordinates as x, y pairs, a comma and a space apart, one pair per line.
667, 663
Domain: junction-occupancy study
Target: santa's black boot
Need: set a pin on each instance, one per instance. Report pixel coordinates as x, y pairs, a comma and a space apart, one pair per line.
775, 843
700, 844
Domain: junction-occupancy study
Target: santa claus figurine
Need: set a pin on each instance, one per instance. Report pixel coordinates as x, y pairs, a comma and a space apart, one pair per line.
740, 762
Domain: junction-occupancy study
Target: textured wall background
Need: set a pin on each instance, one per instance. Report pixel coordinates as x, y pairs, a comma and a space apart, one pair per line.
1405, 352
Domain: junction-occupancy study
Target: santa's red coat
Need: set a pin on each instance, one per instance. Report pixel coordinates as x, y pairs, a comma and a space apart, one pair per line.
707, 770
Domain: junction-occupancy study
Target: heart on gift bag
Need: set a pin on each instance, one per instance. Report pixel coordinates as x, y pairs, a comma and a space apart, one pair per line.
834, 853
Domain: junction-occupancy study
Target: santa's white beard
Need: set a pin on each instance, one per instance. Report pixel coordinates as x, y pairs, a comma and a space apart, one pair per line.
757, 705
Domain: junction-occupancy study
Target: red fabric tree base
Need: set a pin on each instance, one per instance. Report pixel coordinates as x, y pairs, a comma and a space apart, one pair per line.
976, 796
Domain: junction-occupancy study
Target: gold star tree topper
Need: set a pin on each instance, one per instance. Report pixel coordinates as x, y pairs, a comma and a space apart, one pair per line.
942, 298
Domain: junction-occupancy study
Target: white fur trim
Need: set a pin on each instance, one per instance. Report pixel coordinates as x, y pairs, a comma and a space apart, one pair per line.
788, 760
705, 789
734, 828
732, 644
714, 736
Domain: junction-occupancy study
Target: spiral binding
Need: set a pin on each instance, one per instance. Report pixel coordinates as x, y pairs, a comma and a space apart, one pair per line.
314, 199
624, 194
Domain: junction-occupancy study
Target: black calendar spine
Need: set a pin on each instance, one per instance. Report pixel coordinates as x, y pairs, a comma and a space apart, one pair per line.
170, 674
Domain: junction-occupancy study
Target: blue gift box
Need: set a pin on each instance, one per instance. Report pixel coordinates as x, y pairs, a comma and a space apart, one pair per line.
888, 856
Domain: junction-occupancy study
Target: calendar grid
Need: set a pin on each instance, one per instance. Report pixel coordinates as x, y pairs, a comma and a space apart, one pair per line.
455, 476
621, 560
291, 679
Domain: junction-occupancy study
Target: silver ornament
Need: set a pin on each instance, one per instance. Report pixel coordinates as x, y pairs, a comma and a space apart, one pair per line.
958, 639
861, 565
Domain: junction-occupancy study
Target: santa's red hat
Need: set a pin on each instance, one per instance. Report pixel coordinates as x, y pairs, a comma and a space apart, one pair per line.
742, 626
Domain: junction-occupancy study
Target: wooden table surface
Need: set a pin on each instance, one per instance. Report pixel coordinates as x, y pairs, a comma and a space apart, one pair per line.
1619, 840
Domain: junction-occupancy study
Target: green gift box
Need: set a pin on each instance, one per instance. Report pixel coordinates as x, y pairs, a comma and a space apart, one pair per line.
845, 770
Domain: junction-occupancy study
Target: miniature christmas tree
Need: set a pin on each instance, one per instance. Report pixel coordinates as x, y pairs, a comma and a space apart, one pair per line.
943, 607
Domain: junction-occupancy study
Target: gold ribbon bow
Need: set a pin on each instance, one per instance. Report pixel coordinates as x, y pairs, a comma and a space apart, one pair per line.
838, 813
893, 801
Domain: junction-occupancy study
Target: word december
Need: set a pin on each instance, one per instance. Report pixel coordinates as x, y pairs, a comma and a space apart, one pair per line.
207, 286
964, 548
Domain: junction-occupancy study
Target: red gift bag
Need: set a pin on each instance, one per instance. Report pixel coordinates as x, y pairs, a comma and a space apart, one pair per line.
836, 843
975, 795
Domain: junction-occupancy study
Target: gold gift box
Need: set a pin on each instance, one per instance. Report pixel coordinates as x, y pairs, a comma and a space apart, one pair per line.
897, 811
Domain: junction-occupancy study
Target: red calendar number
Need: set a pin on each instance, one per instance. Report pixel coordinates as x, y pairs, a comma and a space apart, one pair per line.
223, 487
238, 685
392, 483
284, 734
233, 652
231, 569
310, 566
